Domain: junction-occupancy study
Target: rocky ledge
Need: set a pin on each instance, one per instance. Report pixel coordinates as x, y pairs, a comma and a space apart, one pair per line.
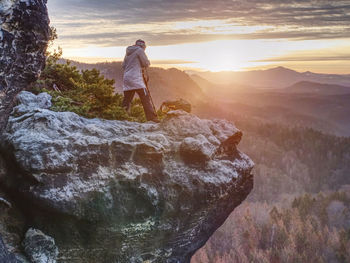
118, 191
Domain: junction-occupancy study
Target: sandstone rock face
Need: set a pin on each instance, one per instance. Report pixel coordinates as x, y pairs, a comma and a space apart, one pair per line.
24, 34
117, 191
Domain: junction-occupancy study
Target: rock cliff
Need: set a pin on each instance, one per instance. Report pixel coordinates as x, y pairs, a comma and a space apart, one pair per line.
117, 191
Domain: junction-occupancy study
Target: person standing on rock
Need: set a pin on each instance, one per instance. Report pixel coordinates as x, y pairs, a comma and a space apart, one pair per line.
134, 63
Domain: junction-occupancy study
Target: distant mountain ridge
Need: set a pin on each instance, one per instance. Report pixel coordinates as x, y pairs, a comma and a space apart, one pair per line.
317, 88
325, 107
306, 87
164, 84
322, 106
278, 77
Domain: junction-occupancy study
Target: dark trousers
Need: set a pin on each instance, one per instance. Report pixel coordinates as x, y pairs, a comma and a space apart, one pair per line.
145, 100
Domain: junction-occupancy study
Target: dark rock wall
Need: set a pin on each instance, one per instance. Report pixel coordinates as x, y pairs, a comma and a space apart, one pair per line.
24, 35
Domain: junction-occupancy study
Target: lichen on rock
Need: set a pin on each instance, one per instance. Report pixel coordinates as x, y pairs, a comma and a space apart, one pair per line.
153, 191
24, 35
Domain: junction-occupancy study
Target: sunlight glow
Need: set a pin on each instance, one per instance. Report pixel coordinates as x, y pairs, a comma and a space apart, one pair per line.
211, 36
230, 54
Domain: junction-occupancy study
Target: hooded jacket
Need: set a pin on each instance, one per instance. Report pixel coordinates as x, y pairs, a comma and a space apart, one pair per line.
135, 59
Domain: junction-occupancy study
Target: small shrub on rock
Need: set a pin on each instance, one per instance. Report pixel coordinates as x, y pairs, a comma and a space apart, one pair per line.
86, 92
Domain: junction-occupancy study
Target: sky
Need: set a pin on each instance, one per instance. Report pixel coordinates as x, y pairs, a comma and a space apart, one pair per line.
210, 35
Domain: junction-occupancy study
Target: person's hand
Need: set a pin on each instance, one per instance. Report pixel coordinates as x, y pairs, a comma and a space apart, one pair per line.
146, 77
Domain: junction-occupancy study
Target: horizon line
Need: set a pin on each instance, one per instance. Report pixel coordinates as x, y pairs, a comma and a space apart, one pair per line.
100, 60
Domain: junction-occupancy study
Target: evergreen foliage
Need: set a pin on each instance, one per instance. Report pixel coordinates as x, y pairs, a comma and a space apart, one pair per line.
86, 92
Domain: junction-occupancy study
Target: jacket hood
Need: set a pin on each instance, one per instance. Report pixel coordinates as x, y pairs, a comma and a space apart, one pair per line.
131, 49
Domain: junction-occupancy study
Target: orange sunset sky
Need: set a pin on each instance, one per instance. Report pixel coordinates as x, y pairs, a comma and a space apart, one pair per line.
209, 35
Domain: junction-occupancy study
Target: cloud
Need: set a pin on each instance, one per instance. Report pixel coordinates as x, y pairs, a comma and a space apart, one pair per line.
307, 58
172, 38
110, 22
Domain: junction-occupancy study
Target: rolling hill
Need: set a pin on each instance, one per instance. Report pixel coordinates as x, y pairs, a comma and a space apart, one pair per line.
165, 84
320, 106
325, 107
278, 77
317, 88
